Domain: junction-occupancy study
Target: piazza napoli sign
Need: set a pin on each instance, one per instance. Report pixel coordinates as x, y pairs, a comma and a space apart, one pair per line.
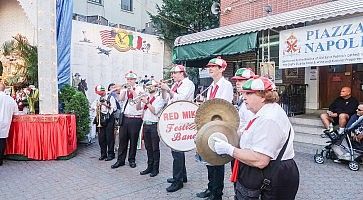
333, 43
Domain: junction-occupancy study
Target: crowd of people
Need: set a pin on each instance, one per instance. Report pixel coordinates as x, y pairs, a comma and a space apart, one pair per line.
263, 155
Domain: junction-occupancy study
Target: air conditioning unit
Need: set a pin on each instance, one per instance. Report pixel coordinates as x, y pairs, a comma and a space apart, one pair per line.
79, 17
96, 19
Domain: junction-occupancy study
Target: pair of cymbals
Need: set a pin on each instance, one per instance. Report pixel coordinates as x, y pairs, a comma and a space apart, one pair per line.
216, 118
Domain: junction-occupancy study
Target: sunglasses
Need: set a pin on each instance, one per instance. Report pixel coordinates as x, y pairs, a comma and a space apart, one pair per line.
359, 109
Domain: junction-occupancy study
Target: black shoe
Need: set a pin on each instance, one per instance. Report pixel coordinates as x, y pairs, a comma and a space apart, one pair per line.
171, 180
110, 158
174, 187
212, 197
1, 162
132, 164
154, 173
102, 157
117, 164
146, 171
204, 194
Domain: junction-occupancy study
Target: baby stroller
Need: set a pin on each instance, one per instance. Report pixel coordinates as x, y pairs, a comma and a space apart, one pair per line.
341, 147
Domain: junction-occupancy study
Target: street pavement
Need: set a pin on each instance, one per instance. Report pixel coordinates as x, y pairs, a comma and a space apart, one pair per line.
85, 177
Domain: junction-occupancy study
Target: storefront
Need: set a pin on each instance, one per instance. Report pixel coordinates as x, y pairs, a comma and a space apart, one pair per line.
331, 54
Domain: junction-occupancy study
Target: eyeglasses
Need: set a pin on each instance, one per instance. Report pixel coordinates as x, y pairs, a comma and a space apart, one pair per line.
359, 109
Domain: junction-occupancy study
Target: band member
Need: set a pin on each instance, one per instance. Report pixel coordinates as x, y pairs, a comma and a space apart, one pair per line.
151, 105
105, 105
182, 89
132, 121
241, 76
223, 89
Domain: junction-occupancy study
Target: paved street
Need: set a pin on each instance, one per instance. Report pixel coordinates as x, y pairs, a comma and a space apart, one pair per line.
84, 177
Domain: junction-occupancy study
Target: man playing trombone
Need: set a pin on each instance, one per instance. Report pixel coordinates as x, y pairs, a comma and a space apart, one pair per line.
151, 105
132, 121
105, 106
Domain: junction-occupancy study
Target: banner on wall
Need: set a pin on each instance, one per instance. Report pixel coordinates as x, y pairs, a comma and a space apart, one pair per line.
103, 55
333, 43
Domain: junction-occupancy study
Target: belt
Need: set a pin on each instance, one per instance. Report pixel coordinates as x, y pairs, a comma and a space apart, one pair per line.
133, 116
149, 123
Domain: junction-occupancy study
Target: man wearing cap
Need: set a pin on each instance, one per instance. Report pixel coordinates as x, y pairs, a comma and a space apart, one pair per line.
106, 105
223, 89
241, 76
131, 125
182, 89
151, 106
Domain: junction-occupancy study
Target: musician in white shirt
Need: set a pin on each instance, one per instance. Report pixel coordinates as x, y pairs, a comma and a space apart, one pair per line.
241, 76
132, 121
151, 106
8, 108
223, 89
182, 89
107, 106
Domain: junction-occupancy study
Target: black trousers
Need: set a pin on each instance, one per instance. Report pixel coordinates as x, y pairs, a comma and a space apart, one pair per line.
151, 139
216, 180
106, 138
2, 148
179, 169
129, 131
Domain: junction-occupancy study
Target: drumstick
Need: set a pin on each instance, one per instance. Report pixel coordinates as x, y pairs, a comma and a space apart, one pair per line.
201, 93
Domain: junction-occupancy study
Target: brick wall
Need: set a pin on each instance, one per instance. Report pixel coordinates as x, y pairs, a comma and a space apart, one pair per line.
14, 21
245, 10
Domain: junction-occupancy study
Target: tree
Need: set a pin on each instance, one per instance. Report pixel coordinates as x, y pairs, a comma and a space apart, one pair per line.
181, 17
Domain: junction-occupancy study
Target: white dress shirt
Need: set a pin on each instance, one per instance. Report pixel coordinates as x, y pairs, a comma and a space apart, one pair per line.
269, 132
8, 108
184, 92
224, 91
104, 109
131, 108
158, 104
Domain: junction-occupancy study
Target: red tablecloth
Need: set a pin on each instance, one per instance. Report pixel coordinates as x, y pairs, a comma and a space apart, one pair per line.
42, 137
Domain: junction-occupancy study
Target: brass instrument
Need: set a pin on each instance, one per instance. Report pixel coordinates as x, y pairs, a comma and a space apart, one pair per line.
158, 84
98, 115
137, 99
167, 81
125, 86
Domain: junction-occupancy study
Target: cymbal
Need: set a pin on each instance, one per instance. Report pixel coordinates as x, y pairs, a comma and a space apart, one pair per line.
217, 109
205, 143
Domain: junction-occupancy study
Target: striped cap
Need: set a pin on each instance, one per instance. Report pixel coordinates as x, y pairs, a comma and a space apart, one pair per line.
217, 61
243, 74
258, 84
131, 74
99, 89
178, 68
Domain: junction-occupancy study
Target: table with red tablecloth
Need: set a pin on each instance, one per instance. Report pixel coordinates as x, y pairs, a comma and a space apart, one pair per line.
42, 137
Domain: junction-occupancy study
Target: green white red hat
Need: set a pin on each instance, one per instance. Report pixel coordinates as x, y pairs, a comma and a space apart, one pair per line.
131, 74
243, 74
258, 84
178, 68
217, 61
99, 89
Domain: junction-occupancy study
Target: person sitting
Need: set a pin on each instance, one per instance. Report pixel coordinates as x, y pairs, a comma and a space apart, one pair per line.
340, 110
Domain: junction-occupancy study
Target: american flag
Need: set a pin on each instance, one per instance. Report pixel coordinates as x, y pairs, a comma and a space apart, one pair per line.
108, 37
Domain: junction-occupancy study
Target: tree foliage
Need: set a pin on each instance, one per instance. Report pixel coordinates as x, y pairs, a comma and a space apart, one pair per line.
175, 18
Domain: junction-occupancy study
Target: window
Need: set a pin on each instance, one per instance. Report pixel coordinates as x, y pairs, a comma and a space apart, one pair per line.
98, 2
126, 5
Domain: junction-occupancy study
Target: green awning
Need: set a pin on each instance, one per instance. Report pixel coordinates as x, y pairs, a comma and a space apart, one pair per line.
217, 47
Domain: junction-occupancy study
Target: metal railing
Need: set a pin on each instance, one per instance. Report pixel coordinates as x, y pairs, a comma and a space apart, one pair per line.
292, 98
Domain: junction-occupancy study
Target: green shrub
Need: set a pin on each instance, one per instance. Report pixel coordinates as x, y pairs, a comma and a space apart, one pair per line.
74, 102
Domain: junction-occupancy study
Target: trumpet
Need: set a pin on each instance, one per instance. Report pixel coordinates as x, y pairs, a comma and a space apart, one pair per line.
167, 81
137, 99
98, 115
126, 86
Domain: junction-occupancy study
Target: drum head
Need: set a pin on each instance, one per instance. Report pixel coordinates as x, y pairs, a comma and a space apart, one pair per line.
176, 126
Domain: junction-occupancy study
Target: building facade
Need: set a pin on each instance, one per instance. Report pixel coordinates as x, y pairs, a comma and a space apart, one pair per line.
270, 21
127, 14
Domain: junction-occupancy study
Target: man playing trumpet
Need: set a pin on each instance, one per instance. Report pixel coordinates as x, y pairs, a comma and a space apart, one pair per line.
105, 106
151, 105
131, 125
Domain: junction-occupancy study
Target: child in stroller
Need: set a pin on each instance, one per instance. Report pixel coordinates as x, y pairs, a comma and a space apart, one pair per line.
343, 147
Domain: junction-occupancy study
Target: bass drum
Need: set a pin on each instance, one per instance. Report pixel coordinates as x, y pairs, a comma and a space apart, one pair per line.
176, 126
